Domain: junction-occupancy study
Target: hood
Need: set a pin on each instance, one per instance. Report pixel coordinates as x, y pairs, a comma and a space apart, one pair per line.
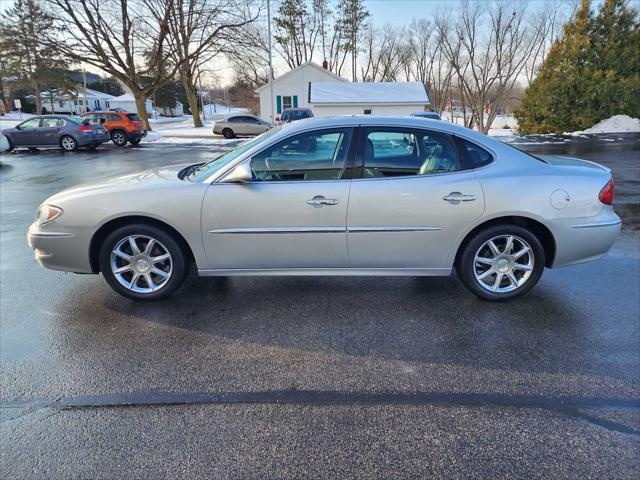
132, 181
562, 161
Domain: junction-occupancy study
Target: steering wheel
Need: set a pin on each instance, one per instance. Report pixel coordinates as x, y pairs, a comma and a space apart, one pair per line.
273, 174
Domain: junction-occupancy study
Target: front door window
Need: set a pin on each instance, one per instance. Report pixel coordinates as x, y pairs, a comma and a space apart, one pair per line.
319, 155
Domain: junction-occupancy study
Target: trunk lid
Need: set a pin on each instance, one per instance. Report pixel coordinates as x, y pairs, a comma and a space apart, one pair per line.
563, 161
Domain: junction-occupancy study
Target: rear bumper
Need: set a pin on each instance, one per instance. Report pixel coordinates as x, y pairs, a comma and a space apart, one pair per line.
63, 249
581, 240
92, 139
136, 135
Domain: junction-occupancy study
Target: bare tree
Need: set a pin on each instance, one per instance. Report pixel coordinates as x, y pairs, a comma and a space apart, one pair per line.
200, 31
128, 39
249, 56
386, 54
488, 47
429, 63
297, 30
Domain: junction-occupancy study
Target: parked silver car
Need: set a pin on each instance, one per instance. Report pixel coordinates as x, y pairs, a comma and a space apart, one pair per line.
67, 132
240, 125
338, 196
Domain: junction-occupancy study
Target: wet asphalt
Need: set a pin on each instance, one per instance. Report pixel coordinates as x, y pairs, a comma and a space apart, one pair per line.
312, 377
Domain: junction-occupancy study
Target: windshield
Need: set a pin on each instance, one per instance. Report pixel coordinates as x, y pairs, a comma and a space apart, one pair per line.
208, 169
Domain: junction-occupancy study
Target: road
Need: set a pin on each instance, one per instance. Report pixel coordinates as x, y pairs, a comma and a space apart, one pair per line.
309, 377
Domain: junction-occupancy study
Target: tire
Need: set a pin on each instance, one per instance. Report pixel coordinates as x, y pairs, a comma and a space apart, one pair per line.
119, 138
68, 143
228, 133
175, 267
525, 269
135, 142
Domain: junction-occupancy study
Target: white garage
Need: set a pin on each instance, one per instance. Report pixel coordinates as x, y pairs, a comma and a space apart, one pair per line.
329, 99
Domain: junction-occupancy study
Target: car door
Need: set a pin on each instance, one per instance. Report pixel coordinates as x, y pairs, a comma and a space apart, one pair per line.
239, 125
292, 215
48, 131
412, 201
26, 133
254, 126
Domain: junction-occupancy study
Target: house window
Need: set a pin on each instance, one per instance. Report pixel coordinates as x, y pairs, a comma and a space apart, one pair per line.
61, 103
367, 111
287, 102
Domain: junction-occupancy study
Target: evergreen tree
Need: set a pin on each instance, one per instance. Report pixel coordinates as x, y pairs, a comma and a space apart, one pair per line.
108, 85
590, 74
353, 14
26, 40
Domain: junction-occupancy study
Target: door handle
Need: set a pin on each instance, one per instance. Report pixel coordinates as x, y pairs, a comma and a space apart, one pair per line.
456, 197
319, 201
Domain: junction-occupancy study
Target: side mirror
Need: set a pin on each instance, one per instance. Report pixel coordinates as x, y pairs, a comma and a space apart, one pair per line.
240, 174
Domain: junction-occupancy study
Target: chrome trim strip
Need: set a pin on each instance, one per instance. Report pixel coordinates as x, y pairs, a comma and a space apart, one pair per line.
394, 229
50, 234
337, 271
607, 223
279, 230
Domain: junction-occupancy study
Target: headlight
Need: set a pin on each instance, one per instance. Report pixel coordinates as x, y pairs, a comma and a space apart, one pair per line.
47, 213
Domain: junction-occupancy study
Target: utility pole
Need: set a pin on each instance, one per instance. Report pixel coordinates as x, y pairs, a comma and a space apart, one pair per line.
270, 62
84, 82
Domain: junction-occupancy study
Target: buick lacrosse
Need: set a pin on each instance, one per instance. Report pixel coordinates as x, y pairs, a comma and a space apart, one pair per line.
338, 196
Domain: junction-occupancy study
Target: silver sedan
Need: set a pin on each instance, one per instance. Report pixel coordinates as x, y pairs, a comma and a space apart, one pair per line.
338, 196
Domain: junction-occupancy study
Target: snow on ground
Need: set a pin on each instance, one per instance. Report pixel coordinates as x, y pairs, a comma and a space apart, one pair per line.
156, 137
615, 124
216, 110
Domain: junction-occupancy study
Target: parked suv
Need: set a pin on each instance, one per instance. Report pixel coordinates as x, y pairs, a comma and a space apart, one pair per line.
123, 127
292, 114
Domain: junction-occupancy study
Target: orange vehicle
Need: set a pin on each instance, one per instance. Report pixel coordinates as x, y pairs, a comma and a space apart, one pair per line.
123, 127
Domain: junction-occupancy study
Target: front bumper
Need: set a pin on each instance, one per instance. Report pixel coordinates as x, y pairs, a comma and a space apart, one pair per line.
582, 240
65, 249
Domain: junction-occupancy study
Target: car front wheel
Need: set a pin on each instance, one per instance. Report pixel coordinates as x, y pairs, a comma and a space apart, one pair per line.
143, 262
501, 262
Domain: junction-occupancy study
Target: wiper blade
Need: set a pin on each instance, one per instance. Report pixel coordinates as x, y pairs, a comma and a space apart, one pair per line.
186, 171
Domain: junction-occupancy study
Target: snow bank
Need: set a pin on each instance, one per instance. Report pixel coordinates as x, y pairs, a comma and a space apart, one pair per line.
615, 124
216, 110
156, 137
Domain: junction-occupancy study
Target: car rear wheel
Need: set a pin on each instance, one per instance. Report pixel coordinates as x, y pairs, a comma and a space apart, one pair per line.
228, 133
143, 262
501, 262
135, 141
68, 143
119, 138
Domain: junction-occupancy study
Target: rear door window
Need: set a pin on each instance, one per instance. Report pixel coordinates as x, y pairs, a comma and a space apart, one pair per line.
397, 152
474, 155
133, 117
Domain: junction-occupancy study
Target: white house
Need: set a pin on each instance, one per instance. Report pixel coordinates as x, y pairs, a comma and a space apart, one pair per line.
373, 98
176, 111
292, 88
128, 102
74, 102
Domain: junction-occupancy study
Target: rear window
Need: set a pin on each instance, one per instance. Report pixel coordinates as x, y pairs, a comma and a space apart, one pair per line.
300, 114
133, 117
475, 155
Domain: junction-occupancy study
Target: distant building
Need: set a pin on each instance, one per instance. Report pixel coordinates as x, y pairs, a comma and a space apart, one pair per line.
369, 98
292, 89
73, 102
127, 102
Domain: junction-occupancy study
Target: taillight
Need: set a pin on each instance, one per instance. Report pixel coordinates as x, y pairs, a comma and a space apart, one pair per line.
85, 128
606, 194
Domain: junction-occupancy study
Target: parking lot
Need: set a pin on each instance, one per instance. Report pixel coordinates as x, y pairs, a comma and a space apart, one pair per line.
314, 377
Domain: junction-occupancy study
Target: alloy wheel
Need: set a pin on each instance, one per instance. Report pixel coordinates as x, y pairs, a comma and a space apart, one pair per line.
503, 263
68, 143
119, 138
141, 263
